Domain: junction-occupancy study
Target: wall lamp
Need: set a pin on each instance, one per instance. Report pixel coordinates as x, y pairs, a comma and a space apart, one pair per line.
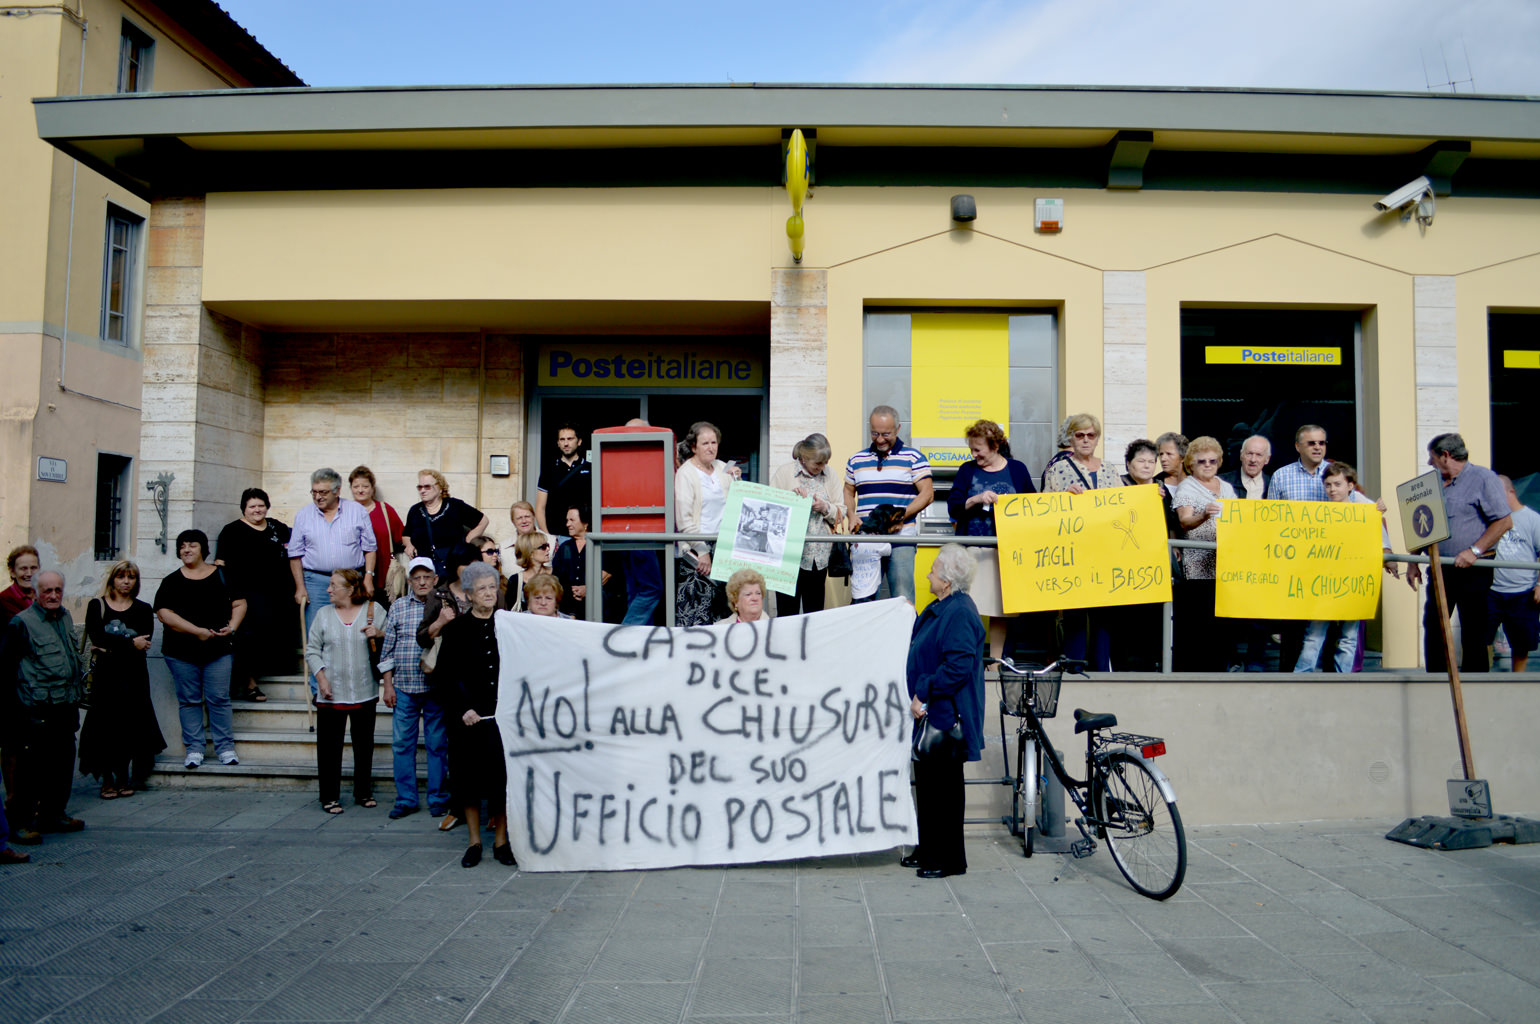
964, 209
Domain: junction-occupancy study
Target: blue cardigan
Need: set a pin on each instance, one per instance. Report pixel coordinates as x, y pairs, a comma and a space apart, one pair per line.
1021, 477
946, 667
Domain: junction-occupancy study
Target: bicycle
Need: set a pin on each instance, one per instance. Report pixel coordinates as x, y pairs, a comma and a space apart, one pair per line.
1124, 799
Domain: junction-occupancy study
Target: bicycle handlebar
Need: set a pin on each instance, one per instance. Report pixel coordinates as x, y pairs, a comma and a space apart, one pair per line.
1075, 666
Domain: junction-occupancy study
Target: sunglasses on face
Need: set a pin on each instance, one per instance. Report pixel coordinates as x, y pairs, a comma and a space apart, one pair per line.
1086, 435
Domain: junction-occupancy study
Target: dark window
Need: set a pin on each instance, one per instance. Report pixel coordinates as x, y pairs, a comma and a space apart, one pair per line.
119, 270
136, 52
112, 487
1513, 345
1269, 372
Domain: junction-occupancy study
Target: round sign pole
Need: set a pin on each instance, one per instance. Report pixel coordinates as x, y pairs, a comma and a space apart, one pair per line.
1467, 759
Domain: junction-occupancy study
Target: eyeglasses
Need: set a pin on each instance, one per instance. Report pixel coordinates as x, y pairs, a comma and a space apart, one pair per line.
884, 433
491, 551
1312, 444
314, 493
1086, 435
543, 547
426, 487
1205, 462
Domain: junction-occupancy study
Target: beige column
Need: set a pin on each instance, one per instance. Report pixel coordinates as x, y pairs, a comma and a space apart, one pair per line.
1125, 362
799, 359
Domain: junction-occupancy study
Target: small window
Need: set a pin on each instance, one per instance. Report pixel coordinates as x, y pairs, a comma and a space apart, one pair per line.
119, 274
112, 488
136, 52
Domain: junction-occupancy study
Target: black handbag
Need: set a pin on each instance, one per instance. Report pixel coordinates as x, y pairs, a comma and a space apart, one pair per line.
839, 561
375, 645
933, 744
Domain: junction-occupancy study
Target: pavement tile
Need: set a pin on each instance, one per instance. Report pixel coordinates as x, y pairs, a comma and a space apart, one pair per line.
1211, 1012
425, 1006
1430, 955
330, 991
834, 926
671, 917
815, 1008
1425, 1013
1351, 914
950, 989
1500, 996
135, 995
736, 985
838, 970
767, 934
1030, 966
525, 995
257, 976
112, 952
1169, 920
1149, 978
1451, 916
464, 963
1286, 1002
923, 936
29, 947
607, 1003
1099, 934
1242, 898
1094, 1005
204, 1011
1231, 960
1023, 921
661, 959
27, 997
1368, 979
1302, 933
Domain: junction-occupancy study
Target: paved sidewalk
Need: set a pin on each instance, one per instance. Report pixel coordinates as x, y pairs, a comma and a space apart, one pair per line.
210, 906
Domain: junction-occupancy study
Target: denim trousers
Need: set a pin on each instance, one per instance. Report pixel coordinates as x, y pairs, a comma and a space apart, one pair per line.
197, 686
898, 570
1315, 640
317, 598
410, 708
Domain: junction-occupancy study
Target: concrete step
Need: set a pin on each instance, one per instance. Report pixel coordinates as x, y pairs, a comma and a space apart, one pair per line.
272, 775
290, 716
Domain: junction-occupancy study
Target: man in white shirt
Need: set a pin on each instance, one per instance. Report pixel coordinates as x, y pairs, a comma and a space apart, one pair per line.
1251, 480
1514, 600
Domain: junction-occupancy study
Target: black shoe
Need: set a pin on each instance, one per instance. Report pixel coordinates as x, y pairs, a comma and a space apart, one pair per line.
61, 825
472, 856
504, 855
939, 872
401, 812
911, 861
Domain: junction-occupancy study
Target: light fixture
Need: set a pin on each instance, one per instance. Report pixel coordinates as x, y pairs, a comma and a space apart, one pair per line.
964, 210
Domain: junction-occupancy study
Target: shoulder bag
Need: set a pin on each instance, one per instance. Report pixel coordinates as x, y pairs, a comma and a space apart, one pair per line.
375, 644
933, 744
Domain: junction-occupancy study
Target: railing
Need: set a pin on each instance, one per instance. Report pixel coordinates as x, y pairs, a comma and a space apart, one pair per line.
664, 543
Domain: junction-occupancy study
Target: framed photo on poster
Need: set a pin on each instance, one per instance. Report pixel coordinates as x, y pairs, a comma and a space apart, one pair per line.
764, 529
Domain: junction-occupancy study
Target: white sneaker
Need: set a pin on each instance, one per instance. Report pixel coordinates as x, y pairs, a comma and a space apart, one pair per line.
228, 758
193, 760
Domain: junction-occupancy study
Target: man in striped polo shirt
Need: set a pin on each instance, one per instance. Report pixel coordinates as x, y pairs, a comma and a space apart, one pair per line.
890, 473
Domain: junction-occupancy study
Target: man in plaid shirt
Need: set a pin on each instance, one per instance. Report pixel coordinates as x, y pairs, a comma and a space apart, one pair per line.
406, 690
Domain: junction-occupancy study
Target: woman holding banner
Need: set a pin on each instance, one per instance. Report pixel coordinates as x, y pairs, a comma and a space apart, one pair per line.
808, 474
700, 498
946, 687
1201, 645
1087, 633
465, 681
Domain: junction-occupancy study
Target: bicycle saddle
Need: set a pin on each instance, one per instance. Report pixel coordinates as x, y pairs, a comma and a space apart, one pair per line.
1087, 720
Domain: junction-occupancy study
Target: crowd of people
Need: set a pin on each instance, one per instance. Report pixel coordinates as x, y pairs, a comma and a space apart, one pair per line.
399, 609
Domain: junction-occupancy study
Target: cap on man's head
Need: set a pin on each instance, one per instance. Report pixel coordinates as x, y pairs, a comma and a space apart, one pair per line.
422, 563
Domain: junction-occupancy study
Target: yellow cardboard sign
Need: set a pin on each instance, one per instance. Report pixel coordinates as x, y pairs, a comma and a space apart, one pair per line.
1298, 560
959, 373
1271, 355
1091, 550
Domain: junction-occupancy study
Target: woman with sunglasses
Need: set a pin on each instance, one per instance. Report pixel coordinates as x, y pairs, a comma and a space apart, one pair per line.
492, 554
1202, 642
533, 553
438, 522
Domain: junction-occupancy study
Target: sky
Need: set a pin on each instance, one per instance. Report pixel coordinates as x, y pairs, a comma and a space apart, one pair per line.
1383, 45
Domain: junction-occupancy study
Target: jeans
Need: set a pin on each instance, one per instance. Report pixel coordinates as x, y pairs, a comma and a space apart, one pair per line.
403, 749
644, 587
898, 570
329, 725
199, 685
317, 598
1315, 639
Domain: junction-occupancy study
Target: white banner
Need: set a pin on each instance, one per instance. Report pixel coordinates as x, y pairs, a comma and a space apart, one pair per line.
642, 747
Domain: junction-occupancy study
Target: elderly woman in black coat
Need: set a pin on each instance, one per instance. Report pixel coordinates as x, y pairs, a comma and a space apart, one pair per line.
465, 681
946, 683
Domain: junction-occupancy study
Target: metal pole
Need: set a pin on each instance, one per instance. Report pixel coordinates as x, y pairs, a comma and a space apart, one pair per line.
1467, 759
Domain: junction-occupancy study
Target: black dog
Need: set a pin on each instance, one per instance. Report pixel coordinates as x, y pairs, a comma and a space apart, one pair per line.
883, 519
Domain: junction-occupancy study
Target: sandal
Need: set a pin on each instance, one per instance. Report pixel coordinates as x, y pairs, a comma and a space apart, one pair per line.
108, 793
126, 791
368, 801
254, 694
332, 808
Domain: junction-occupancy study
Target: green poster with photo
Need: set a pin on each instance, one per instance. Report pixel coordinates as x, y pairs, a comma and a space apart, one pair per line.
763, 528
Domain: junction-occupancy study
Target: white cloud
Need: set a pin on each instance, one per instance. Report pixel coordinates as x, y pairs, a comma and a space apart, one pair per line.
1313, 44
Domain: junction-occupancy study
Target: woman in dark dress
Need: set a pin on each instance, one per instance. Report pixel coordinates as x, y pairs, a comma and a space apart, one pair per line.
438, 522
465, 681
121, 737
252, 551
946, 682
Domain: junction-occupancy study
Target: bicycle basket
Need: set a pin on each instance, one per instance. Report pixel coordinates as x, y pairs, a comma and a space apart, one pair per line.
1017, 688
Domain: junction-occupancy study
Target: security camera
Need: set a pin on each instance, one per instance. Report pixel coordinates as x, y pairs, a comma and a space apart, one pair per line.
1406, 195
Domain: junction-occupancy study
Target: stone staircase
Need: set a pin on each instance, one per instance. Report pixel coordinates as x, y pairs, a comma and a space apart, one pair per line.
277, 747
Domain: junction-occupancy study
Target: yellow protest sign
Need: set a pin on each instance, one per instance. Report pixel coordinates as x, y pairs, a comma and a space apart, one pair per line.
1298, 560
1090, 550
959, 373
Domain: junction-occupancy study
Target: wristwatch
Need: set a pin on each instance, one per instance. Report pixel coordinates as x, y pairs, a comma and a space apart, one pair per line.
1475, 551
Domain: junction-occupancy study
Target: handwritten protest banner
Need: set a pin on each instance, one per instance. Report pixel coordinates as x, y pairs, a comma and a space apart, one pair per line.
763, 528
1298, 560
649, 747
1103, 547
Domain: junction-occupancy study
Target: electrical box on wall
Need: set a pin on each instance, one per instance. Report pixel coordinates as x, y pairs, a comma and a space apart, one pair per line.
1049, 215
498, 465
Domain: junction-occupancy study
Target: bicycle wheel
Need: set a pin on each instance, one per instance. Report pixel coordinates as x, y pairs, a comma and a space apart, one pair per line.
1143, 830
1029, 792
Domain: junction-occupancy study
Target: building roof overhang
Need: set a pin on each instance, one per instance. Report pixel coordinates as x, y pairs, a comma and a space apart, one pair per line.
1121, 137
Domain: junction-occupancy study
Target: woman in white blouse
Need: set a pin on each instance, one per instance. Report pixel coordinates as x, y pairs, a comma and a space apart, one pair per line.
808, 474
338, 656
700, 494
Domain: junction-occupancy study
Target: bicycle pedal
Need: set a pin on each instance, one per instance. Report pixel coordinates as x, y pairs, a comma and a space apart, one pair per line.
1082, 848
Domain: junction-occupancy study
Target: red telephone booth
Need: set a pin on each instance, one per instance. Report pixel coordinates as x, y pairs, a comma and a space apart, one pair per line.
633, 492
